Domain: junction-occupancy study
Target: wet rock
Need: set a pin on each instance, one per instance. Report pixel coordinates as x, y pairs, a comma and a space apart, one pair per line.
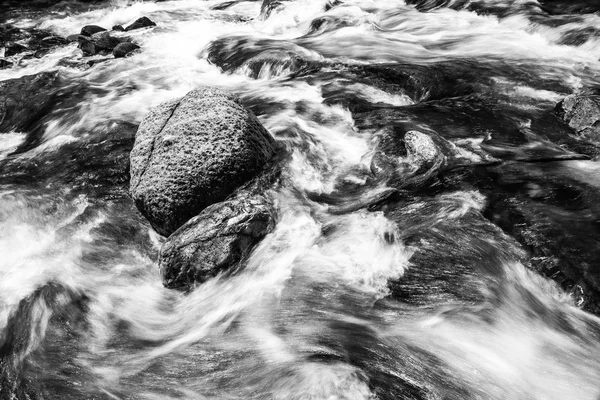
268, 6
5, 64
98, 166
118, 28
551, 209
90, 30
559, 7
87, 46
193, 152
143, 22
458, 252
225, 5
13, 49
218, 239
582, 114
577, 37
125, 48
421, 148
101, 43
24, 99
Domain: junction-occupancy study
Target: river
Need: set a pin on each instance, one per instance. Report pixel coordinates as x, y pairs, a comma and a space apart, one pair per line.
442, 291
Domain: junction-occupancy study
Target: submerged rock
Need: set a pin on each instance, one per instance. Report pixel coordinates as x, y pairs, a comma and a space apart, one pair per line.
5, 64
218, 239
13, 49
193, 152
143, 22
124, 48
90, 30
582, 113
24, 99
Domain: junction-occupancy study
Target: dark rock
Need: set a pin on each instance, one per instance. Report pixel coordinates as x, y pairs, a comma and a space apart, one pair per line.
13, 49
99, 165
552, 210
9, 33
268, 6
194, 152
73, 38
101, 43
218, 239
5, 64
124, 48
225, 5
558, 7
89, 30
87, 45
142, 22
577, 37
24, 99
118, 28
582, 113
54, 41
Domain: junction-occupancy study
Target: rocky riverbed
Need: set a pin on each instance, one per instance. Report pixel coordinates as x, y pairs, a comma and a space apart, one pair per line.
303, 199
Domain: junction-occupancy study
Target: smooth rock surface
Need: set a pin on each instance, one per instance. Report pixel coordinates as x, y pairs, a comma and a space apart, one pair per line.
194, 152
90, 30
218, 239
124, 48
142, 22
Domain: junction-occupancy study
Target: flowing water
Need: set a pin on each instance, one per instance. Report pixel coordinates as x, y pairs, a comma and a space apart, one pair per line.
437, 292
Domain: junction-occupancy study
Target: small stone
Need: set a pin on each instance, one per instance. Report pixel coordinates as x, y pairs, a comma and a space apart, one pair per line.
5, 64
118, 28
13, 49
87, 46
105, 42
124, 49
89, 30
142, 22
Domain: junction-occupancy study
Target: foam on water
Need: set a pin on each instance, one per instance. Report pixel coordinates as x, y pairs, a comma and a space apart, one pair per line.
257, 329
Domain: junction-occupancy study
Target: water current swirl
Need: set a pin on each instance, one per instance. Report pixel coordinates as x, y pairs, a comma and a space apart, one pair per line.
471, 277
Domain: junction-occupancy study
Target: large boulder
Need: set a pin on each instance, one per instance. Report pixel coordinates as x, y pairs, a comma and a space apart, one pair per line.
194, 152
582, 113
216, 240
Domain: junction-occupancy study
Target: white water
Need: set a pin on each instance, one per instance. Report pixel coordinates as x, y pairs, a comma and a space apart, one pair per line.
250, 335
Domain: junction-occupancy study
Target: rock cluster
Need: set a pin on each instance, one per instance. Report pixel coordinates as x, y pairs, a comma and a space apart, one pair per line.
94, 39
198, 171
17, 44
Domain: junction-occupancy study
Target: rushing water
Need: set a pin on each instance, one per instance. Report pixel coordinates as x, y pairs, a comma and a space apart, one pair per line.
422, 297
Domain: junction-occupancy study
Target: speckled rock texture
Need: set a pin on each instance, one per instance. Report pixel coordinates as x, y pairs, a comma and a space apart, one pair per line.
194, 152
218, 239
582, 113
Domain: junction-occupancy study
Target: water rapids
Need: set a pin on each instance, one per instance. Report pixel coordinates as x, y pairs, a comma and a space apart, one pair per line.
443, 284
